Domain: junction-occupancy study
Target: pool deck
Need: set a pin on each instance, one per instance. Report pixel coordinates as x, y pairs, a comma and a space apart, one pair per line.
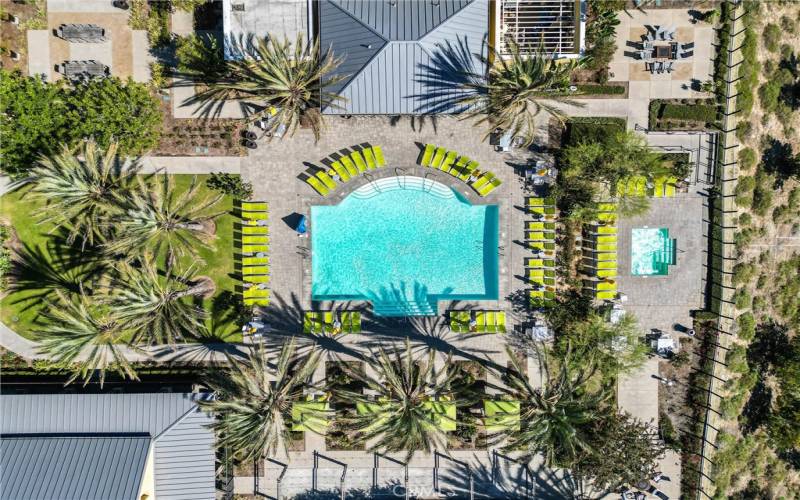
663, 301
276, 168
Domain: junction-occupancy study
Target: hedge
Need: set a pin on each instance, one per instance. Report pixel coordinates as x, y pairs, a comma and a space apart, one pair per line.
592, 128
601, 89
696, 112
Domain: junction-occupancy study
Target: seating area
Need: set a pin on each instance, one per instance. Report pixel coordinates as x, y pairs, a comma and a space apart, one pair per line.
600, 252
500, 415
460, 167
478, 321
312, 414
540, 237
663, 186
254, 248
331, 322
344, 168
442, 412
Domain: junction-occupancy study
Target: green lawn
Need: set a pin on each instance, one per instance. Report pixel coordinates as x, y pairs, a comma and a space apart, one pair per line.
19, 310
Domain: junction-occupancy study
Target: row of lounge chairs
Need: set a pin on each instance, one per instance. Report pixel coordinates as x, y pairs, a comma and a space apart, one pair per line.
479, 322
347, 167
255, 245
314, 414
331, 322
637, 185
540, 236
602, 239
459, 166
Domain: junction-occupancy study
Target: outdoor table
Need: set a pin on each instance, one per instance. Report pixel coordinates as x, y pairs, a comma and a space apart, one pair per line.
74, 69
81, 32
663, 52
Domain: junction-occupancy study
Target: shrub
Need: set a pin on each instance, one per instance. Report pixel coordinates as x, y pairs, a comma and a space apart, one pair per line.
747, 158
158, 33
788, 24
736, 359
745, 219
742, 299
744, 191
743, 273
762, 199
747, 326
772, 37
199, 56
158, 75
794, 198
601, 89
593, 129
230, 184
5, 257
186, 5
697, 112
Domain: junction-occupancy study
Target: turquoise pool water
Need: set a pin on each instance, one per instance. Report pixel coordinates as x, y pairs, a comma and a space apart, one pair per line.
404, 243
652, 251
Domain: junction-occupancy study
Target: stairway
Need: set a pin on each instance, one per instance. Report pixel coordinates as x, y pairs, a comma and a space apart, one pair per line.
404, 308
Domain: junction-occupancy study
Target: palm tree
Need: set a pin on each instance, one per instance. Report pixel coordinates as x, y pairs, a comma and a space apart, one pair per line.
518, 88
79, 193
155, 308
405, 389
254, 400
78, 334
553, 418
289, 82
156, 220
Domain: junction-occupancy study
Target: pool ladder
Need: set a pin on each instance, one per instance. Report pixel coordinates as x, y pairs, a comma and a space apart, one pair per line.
372, 182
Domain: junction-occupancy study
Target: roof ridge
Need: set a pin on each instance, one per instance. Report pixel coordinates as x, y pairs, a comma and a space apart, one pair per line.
359, 21
180, 419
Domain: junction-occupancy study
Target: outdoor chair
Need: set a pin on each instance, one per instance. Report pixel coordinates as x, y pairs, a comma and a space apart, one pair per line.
427, 155
370, 157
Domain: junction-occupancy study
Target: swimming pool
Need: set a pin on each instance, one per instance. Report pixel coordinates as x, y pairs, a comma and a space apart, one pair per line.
652, 251
404, 243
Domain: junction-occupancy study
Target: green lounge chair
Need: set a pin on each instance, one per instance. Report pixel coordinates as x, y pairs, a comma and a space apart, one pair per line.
255, 293
467, 170
606, 207
535, 236
501, 322
326, 179
339, 169
607, 216
493, 184
443, 414
370, 157
533, 273
641, 186
550, 202
455, 322
255, 239
480, 320
669, 187
310, 416
438, 157
491, 322
448, 162
607, 264
535, 202
620, 188
482, 180
605, 295
248, 249
549, 210
254, 216
256, 279
351, 169
458, 168
501, 416
255, 230
359, 161
537, 294
254, 261
254, 206
536, 210
355, 322
262, 269
630, 186
256, 302
350, 166
318, 186
658, 186
379, 159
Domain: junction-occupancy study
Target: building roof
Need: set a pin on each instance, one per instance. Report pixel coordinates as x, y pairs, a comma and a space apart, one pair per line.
242, 19
388, 49
45, 467
183, 445
554, 24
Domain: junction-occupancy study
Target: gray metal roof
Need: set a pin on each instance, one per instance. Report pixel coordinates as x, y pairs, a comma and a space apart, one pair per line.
389, 50
72, 468
183, 445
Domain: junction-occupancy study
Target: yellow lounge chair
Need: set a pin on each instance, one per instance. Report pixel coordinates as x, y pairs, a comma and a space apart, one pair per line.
256, 302
370, 157
438, 157
493, 184
535, 273
606, 264
359, 160
606, 295
606, 230
427, 155
530, 262
351, 169
467, 170
318, 186
607, 273
248, 249
606, 256
254, 261
606, 247
610, 238
350, 166
255, 240
379, 159
669, 187
254, 206
448, 161
249, 270
254, 217
341, 171
326, 179
256, 279
658, 186
606, 286
255, 230
607, 217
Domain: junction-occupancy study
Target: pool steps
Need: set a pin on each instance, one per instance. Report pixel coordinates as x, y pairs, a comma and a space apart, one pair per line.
387, 184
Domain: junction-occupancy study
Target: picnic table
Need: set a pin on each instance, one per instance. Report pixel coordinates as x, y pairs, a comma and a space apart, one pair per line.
79, 69
86, 33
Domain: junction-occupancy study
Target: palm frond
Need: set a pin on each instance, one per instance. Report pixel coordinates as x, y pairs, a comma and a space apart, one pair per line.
254, 399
